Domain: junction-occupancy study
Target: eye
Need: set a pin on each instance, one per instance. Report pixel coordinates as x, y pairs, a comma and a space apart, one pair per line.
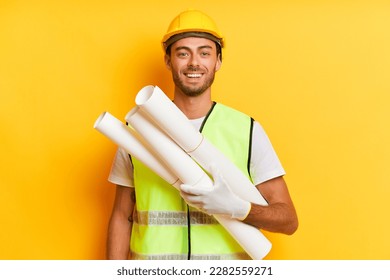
205, 54
182, 54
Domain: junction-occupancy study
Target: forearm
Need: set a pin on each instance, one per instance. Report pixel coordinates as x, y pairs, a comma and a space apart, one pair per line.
118, 239
277, 217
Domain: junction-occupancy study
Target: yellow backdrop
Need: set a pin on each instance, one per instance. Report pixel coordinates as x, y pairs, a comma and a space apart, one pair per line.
314, 73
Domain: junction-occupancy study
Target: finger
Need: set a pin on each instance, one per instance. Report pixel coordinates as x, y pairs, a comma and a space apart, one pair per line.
190, 197
192, 190
193, 201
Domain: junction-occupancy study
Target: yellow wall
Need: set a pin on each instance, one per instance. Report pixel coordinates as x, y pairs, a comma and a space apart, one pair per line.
314, 73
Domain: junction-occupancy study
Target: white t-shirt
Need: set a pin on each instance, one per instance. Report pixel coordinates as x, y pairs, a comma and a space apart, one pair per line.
264, 164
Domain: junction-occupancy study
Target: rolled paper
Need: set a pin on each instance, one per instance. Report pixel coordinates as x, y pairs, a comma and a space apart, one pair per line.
133, 144
173, 156
189, 172
153, 101
206, 155
250, 238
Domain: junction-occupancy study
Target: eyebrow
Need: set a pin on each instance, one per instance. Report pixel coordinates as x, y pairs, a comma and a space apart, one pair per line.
189, 49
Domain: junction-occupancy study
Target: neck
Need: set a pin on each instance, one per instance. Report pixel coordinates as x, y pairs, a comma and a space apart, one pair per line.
193, 107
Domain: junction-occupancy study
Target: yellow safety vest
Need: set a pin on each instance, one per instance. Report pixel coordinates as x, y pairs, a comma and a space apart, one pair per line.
161, 229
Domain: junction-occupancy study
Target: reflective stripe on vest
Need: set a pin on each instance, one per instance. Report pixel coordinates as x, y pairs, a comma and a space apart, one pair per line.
233, 256
160, 228
172, 218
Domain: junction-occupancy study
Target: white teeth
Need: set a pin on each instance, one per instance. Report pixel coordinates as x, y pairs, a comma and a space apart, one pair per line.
194, 75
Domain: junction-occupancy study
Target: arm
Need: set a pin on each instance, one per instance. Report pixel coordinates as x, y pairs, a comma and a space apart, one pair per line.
119, 229
279, 215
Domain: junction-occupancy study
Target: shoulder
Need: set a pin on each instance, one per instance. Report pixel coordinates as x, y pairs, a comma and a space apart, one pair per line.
227, 112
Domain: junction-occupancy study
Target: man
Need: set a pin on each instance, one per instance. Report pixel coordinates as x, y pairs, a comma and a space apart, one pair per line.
163, 223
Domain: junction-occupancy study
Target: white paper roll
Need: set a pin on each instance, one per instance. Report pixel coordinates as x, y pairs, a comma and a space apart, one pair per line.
153, 101
207, 155
128, 139
161, 124
173, 156
164, 112
189, 172
249, 238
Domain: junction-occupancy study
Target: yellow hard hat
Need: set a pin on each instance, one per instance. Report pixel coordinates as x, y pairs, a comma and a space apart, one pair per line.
192, 23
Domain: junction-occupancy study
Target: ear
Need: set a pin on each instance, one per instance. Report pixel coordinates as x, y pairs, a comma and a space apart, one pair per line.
218, 65
167, 59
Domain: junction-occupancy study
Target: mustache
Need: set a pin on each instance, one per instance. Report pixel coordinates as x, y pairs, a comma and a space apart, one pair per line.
193, 68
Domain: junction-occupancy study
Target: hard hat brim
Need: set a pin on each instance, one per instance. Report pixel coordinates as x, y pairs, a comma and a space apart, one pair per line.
183, 35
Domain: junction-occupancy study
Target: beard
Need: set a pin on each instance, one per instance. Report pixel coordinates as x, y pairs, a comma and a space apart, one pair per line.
193, 91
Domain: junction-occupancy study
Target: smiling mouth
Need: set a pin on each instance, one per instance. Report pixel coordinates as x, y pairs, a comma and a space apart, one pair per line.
193, 75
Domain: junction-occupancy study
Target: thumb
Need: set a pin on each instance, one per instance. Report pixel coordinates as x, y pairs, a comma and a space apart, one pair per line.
187, 189
191, 189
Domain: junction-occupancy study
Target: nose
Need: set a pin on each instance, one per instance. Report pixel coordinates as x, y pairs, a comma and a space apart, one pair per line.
193, 61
